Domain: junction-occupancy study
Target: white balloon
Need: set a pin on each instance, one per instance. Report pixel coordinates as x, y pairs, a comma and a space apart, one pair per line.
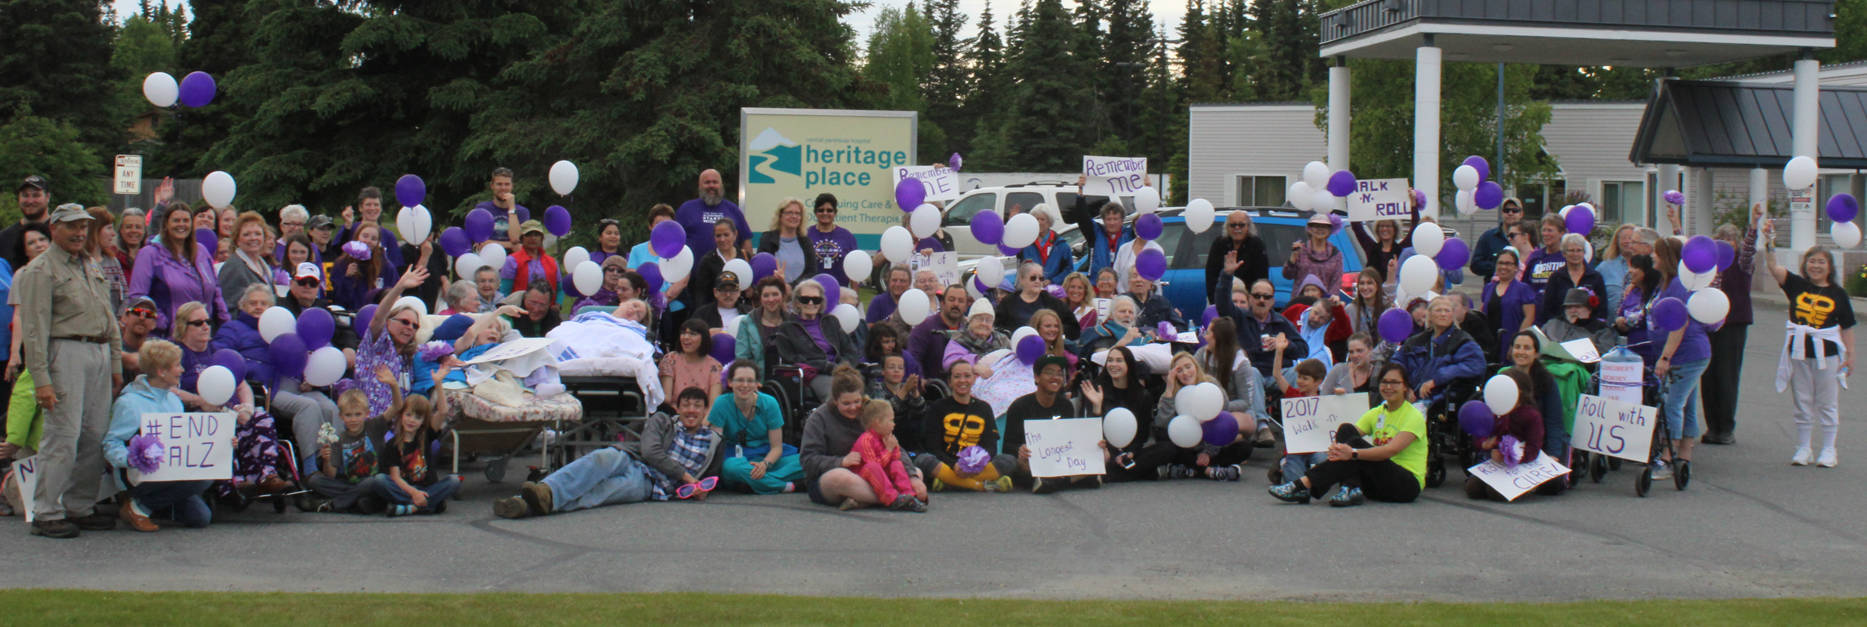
1202, 401
1020, 230
1018, 334
972, 289
1146, 200
741, 269
1708, 306
1465, 177
325, 366
914, 306
1501, 394
1845, 234
1418, 273
1322, 200
576, 256
1118, 427
1316, 175
677, 267
1428, 239
897, 244
847, 316
924, 221
216, 384
1199, 215
411, 302
1185, 432
588, 278
563, 177
161, 90
467, 264
1695, 281
1463, 201
1564, 212
402, 224
991, 270
420, 225
275, 322
1800, 173
857, 265
218, 189
1299, 195
494, 255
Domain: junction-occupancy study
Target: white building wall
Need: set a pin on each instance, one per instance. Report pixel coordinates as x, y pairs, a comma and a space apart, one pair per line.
1225, 141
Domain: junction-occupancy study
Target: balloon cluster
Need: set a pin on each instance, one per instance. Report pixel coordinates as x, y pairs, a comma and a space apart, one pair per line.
1317, 189
1700, 261
1202, 417
1579, 218
1476, 191
1433, 252
1478, 418
195, 90
1843, 208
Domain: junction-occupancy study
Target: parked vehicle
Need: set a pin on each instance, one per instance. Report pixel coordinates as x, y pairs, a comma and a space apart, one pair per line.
1006, 201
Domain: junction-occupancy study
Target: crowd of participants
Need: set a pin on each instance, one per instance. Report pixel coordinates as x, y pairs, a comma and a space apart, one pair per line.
136, 306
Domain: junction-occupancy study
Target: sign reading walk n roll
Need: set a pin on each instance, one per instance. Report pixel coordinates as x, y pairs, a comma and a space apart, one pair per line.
1380, 199
800, 153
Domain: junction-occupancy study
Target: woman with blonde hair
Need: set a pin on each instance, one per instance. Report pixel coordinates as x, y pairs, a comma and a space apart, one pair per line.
785, 240
1080, 297
1167, 460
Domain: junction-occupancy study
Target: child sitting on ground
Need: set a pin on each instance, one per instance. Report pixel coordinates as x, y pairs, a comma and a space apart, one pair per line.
413, 486
349, 477
1310, 374
881, 461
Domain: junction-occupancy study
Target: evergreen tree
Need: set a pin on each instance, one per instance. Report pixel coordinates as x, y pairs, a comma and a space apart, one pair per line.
56, 64
1123, 79
1045, 118
900, 58
948, 85
220, 39
1201, 66
984, 107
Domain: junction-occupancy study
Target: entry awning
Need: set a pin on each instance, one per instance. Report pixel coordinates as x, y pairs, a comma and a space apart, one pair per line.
1731, 124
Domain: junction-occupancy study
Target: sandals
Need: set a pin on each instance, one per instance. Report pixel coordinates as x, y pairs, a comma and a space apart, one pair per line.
697, 488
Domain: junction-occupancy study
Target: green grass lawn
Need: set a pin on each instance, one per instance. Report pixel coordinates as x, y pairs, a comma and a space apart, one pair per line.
33, 607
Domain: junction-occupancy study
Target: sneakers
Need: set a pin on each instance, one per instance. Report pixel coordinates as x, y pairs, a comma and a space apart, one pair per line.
60, 529
1347, 496
1264, 439
537, 496
1661, 470
1173, 471
1001, 484
904, 503
938, 485
511, 507
1803, 457
399, 509
849, 504
97, 521
1224, 473
1827, 460
135, 518
1046, 486
1291, 492
1091, 482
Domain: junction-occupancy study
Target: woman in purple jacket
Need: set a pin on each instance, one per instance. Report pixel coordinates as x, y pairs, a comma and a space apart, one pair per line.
1316, 255
176, 270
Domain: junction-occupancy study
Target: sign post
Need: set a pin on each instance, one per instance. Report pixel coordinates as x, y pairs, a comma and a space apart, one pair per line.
127, 179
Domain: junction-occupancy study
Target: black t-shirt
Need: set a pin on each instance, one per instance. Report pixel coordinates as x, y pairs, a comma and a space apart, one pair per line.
1819, 307
950, 427
413, 458
1027, 408
356, 457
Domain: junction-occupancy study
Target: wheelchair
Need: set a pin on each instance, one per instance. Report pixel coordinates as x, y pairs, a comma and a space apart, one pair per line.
1443, 436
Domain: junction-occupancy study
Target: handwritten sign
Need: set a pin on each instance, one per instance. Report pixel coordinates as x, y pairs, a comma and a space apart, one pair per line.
1380, 199
26, 472
1614, 428
1513, 482
1310, 422
1064, 447
196, 446
941, 183
1114, 176
1622, 380
943, 264
508, 350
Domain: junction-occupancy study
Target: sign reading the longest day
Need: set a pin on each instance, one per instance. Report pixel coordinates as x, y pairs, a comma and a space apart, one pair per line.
799, 153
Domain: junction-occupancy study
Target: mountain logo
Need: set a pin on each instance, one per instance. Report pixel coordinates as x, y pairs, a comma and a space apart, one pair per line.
771, 153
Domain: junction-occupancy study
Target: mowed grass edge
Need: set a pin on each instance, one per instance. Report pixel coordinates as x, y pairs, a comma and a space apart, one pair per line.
38, 607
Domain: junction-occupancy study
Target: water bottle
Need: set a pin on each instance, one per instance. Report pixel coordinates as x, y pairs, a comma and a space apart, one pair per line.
1622, 372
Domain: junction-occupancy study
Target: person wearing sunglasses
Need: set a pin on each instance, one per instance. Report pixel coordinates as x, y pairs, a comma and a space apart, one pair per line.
1258, 324
1493, 241
806, 340
1240, 249
829, 241
1016, 309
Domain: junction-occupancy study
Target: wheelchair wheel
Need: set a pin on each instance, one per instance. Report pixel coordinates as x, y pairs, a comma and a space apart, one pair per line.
1597, 467
1275, 475
496, 469
1682, 474
1644, 483
1435, 472
278, 503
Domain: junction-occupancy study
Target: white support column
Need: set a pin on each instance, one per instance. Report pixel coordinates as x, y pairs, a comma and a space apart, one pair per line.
1426, 75
1804, 130
1338, 115
1759, 188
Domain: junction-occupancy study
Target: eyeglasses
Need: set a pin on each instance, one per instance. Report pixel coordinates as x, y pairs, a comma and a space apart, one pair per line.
146, 314
1512, 210
612, 271
1235, 227
404, 321
1263, 296
826, 210
810, 300
198, 323
1034, 277
295, 223
310, 282
608, 222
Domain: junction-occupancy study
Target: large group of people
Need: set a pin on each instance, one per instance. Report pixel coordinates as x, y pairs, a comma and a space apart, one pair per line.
114, 316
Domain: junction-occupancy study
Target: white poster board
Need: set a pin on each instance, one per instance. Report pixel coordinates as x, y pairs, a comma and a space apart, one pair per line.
1621, 380
508, 350
1614, 428
26, 472
943, 264
127, 176
1513, 482
1064, 447
196, 446
1583, 350
941, 183
1310, 422
1113, 176
1380, 199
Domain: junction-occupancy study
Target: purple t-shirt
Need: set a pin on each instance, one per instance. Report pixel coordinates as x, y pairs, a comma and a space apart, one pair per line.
814, 328
880, 308
830, 248
499, 217
1539, 265
1695, 346
698, 218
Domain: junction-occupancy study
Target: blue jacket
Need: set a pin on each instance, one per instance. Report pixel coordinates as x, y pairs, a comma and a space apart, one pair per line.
1450, 357
1484, 255
1060, 264
1101, 255
126, 418
242, 335
1250, 330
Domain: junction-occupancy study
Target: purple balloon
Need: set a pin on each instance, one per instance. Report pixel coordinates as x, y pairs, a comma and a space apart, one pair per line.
197, 89
232, 360
1147, 227
979, 284
1007, 250
723, 347
479, 225
763, 265
1476, 419
410, 190
357, 249
1843, 207
288, 355
667, 239
1396, 324
208, 240
557, 220
1580, 221
1151, 264
1488, 195
1478, 163
1419, 197
832, 290
651, 276
1342, 183
1056, 291
1700, 253
1030, 348
1221, 430
1205, 318
1669, 314
953, 162
909, 194
316, 327
1726, 255
1453, 254
365, 314
454, 241
1165, 329
1674, 196
988, 228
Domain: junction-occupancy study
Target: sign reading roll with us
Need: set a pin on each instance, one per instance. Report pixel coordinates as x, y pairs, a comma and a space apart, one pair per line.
185, 447
800, 153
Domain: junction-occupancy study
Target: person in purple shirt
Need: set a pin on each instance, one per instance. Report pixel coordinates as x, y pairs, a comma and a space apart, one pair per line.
883, 305
831, 242
1509, 305
1684, 356
927, 340
368, 210
698, 215
504, 206
176, 270
1540, 264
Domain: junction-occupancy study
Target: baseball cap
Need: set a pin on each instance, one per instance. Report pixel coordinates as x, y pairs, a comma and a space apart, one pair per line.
320, 221
69, 212
33, 181
1047, 360
307, 270
531, 226
727, 279
140, 302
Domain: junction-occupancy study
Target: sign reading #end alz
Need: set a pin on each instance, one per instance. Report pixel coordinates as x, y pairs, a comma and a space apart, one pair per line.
1064, 447
1380, 199
1513, 482
1614, 428
1114, 176
1310, 422
196, 446
941, 183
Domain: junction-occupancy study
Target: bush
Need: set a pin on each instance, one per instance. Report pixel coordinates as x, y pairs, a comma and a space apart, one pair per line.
1857, 281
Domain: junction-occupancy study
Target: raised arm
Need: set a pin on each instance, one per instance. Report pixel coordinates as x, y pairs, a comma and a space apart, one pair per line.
1777, 271
394, 293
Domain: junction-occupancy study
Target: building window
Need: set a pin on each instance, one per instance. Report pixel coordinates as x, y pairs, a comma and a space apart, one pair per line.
1260, 191
1542, 197
1621, 200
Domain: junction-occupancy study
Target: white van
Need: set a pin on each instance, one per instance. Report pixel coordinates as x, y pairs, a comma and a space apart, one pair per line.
1010, 200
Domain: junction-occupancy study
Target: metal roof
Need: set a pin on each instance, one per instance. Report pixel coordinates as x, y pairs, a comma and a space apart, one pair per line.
1732, 124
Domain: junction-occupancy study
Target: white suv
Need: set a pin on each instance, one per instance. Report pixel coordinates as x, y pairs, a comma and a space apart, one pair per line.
1004, 200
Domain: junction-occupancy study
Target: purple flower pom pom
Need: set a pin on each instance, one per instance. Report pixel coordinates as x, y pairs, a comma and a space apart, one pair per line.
145, 453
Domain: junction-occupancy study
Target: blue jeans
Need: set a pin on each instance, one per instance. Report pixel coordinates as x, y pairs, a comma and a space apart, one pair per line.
607, 476
438, 492
182, 499
1297, 465
1254, 401
1680, 389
